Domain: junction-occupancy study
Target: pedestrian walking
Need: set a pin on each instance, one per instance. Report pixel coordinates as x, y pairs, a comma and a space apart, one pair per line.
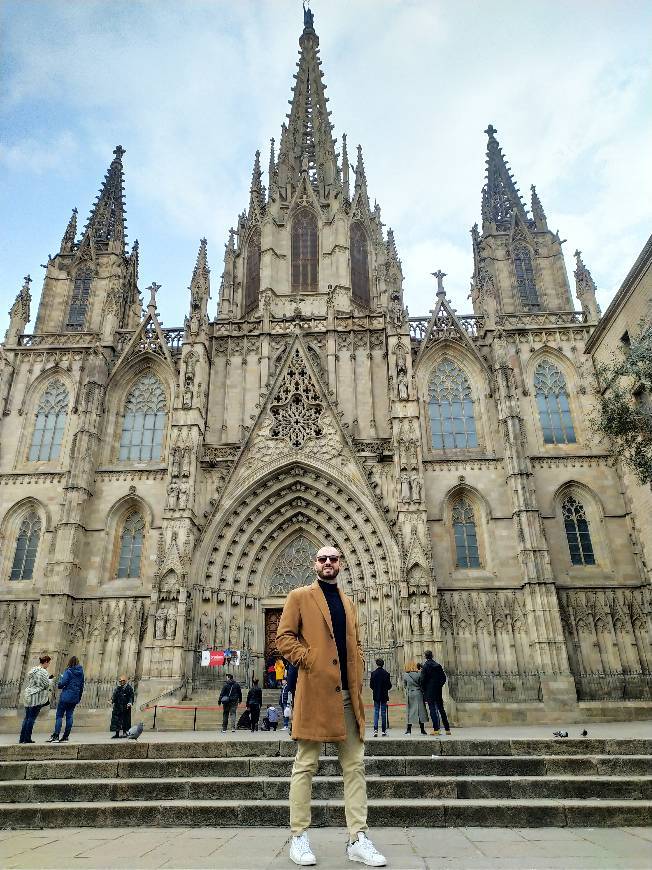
71, 683
230, 697
122, 700
254, 703
318, 632
415, 711
285, 703
433, 679
380, 684
36, 695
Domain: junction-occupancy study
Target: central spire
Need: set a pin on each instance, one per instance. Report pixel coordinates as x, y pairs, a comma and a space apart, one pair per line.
307, 144
500, 196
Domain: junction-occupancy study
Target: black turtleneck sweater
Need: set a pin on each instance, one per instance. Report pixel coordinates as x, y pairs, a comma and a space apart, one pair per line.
338, 618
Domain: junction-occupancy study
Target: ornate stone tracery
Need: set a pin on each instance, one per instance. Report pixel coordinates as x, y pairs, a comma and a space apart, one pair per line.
297, 405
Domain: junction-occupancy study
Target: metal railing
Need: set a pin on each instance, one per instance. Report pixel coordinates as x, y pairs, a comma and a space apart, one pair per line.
98, 693
495, 688
628, 686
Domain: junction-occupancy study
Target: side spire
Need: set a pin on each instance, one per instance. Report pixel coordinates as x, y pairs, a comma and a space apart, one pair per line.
106, 222
257, 192
361, 175
307, 141
19, 313
585, 290
68, 240
345, 169
200, 289
271, 171
500, 196
538, 214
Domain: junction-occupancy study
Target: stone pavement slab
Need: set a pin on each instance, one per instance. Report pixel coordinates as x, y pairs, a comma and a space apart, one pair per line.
266, 849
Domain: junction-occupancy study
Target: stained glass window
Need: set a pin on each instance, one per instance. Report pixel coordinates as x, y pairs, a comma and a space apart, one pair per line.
131, 546
305, 250
577, 532
293, 566
252, 272
452, 420
525, 282
144, 421
79, 301
27, 542
359, 263
466, 539
552, 402
50, 423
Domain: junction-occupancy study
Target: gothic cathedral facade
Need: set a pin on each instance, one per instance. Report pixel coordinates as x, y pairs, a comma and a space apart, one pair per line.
163, 489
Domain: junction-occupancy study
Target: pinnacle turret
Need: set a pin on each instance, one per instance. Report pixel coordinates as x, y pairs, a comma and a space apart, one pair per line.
19, 313
271, 171
68, 240
538, 213
585, 289
200, 288
106, 223
345, 168
500, 196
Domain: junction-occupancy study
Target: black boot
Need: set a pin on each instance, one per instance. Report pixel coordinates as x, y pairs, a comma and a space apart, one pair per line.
408, 729
423, 727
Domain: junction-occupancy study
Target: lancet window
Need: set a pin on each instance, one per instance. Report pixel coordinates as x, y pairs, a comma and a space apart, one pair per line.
467, 554
452, 420
29, 534
144, 421
50, 422
252, 272
359, 263
131, 545
525, 282
81, 292
552, 401
305, 250
577, 532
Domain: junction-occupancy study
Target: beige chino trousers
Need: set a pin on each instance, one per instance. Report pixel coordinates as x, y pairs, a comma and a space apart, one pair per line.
351, 757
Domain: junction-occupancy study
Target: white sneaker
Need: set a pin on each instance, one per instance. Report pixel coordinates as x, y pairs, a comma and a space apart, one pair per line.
363, 850
300, 851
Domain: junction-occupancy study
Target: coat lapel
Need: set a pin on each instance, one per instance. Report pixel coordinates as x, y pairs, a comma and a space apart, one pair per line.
318, 595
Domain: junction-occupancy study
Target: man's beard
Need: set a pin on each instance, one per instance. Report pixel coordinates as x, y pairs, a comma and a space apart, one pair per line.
332, 576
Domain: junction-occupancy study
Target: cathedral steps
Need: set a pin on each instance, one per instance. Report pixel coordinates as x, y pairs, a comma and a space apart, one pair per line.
423, 781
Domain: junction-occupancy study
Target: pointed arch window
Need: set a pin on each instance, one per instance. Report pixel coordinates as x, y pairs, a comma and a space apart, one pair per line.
144, 421
577, 532
49, 425
467, 554
252, 272
525, 282
29, 535
452, 420
552, 401
131, 545
81, 292
305, 250
359, 263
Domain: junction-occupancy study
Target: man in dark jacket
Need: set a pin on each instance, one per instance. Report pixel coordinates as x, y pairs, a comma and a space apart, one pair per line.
254, 703
122, 699
433, 678
71, 683
380, 684
230, 697
284, 701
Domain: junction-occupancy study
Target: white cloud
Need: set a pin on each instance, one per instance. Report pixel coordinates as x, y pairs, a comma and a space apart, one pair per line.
30, 155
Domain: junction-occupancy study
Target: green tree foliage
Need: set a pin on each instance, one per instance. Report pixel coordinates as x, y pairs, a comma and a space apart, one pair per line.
624, 414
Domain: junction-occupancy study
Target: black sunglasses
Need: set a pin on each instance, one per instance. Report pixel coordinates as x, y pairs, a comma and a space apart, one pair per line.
324, 559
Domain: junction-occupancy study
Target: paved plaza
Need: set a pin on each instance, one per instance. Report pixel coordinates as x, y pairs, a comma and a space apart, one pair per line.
257, 849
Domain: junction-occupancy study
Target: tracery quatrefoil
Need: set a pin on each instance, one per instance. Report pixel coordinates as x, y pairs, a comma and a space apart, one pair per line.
297, 405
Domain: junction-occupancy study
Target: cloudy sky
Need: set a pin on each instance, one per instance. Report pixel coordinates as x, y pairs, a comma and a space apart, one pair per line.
190, 88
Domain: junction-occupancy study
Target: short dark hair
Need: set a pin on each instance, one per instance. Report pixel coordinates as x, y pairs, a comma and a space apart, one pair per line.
380, 662
229, 676
72, 661
43, 658
428, 653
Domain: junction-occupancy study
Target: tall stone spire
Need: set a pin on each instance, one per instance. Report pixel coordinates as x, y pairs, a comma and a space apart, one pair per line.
271, 171
106, 222
500, 196
585, 290
361, 177
200, 289
19, 313
345, 169
307, 142
538, 214
68, 240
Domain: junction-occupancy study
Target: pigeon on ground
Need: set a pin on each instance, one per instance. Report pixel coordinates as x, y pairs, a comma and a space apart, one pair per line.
135, 732
585, 733
560, 733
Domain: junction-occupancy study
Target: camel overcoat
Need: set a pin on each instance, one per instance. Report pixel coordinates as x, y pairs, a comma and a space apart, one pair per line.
305, 638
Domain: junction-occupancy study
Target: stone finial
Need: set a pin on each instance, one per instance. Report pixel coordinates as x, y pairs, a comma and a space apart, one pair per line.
439, 275
153, 290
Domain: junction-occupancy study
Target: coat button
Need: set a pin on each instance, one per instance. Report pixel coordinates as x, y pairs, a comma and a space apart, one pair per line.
334, 661
338, 689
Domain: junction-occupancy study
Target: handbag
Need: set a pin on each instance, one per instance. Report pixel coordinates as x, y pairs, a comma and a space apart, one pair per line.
287, 712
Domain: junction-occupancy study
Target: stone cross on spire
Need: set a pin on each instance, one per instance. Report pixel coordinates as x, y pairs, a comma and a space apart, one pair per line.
153, 290
439, 275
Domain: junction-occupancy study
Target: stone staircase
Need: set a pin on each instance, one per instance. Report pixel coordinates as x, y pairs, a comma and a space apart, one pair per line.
419, 782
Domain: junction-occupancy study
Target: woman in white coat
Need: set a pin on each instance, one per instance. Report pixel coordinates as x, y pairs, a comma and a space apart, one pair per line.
415, 711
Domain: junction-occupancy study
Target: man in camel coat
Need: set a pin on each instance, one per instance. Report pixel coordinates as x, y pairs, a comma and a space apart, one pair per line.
318, 632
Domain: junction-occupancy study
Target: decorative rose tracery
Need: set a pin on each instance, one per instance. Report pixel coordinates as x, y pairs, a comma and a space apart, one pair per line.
297, 406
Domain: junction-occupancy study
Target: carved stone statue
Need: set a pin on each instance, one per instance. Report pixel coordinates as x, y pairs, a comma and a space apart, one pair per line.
204, 631
159, 623
234, 632
171, 624
184, 494
426, 618
186, 461
403, 391
173, 496
219, 631
390, 628
308, 18
248, 634
415, 622
406, 493
415, 483
375, 629
176, 462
